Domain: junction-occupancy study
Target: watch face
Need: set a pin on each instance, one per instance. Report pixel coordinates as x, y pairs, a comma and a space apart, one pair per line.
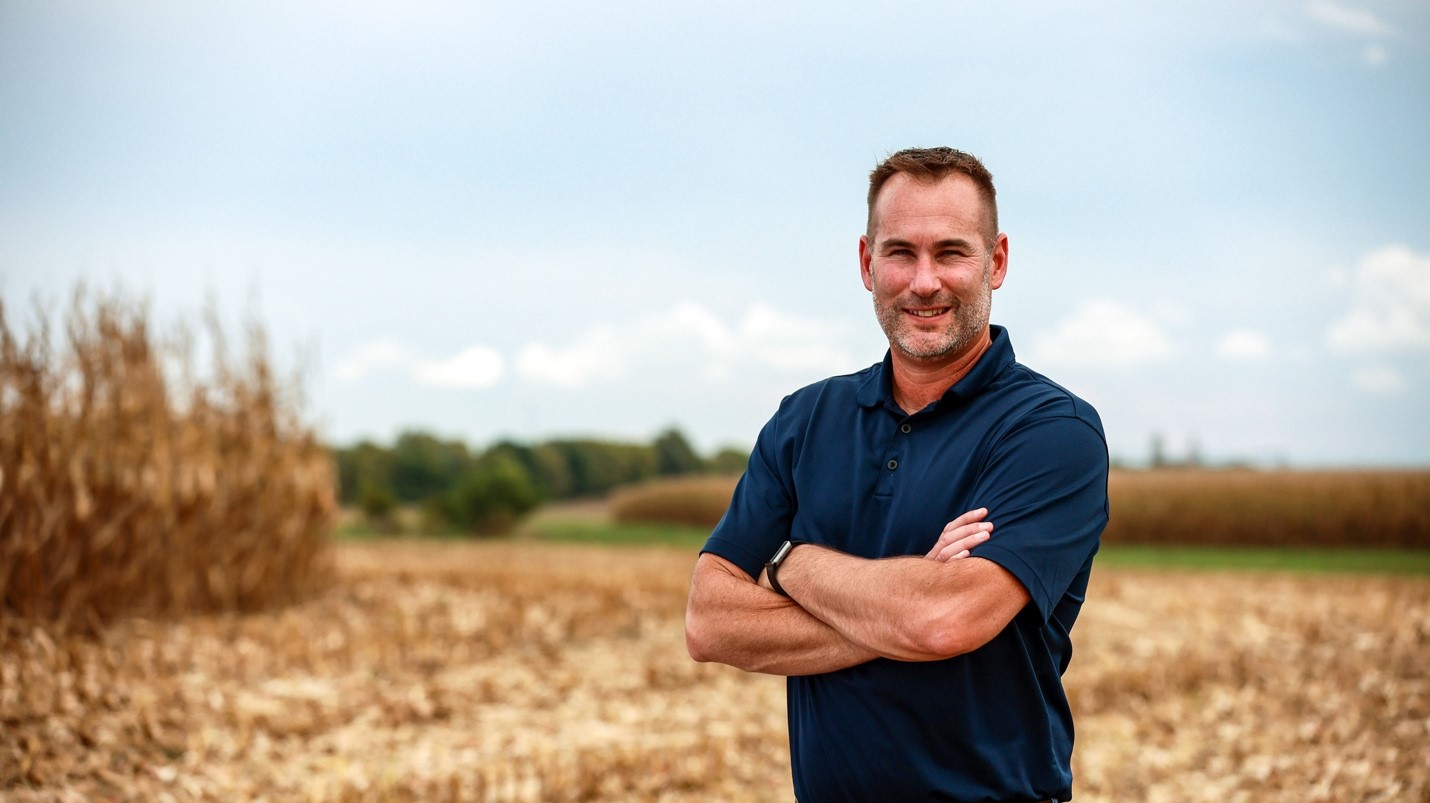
781, 552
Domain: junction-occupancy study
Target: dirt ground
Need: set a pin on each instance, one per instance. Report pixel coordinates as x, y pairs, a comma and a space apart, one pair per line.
531, 672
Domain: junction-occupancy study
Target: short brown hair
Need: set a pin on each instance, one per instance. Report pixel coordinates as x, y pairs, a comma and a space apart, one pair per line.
933, 165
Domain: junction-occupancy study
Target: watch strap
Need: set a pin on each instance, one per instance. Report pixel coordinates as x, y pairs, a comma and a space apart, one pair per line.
772, 567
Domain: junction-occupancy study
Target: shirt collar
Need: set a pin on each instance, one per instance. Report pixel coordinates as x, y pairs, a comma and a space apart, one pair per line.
878, 387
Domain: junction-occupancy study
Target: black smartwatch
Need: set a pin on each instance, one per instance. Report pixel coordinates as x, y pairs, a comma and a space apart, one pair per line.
772, 567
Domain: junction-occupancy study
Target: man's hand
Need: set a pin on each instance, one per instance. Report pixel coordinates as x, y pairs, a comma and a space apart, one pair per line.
960, 535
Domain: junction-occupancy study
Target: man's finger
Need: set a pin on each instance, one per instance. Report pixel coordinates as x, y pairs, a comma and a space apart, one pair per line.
971, 516
959, 547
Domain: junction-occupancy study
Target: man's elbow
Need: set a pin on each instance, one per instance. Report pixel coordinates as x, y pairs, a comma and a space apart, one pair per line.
936, 637
958, 623
935, 645
703, 641
697, 643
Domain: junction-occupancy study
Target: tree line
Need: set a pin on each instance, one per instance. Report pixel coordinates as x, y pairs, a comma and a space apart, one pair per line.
486, 491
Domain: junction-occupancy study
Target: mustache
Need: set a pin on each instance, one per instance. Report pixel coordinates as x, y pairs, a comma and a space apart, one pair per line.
936, 300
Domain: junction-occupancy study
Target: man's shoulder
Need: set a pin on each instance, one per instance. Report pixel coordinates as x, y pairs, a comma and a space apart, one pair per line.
862, 384
1027, 393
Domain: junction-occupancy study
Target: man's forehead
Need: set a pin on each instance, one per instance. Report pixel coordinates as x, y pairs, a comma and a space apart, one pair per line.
954, 196
907, 184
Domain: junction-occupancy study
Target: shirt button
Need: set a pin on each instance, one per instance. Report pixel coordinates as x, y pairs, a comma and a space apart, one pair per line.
906, 429
893, 464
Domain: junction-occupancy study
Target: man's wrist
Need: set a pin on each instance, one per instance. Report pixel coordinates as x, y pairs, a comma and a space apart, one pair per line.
772, 567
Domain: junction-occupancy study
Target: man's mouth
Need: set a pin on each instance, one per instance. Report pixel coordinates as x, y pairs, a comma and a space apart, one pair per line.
928, 313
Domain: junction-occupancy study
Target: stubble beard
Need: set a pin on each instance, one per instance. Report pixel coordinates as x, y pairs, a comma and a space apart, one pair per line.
965, 326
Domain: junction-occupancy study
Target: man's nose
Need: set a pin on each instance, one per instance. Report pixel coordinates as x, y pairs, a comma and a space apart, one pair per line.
925, 280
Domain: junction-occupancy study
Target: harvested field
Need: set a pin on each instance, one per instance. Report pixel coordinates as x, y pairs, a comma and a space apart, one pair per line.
511, 671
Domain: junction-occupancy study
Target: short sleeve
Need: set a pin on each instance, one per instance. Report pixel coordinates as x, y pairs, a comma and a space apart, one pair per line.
761, 509
1045, 487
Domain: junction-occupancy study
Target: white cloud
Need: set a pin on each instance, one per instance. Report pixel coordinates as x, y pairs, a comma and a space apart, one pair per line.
1244, 345
1345, 18
789, 342
1103, 334
1381, 380
379, 355
1375, 56
596, 355
473, 367
688, 342
1389, 295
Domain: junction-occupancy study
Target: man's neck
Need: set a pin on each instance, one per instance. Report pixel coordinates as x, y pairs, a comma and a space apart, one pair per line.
919, 383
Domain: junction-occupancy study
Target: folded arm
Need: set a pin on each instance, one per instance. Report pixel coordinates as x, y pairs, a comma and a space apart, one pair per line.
734, 619
908, 609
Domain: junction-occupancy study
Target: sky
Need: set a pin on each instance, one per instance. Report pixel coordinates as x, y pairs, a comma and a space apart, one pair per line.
553, 219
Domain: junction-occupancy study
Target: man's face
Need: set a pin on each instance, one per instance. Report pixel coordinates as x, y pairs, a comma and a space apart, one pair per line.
930, 266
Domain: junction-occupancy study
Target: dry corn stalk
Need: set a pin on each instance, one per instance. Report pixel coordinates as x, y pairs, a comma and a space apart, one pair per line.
129, 486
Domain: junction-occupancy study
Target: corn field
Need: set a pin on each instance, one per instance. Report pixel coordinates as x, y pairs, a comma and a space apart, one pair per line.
696, 501
1345, 509
523, 671
130, 482
175, 625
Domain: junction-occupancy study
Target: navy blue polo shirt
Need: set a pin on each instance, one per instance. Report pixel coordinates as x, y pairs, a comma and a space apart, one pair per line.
840, 464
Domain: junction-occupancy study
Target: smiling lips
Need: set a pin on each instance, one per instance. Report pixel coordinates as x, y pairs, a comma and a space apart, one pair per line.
928, 313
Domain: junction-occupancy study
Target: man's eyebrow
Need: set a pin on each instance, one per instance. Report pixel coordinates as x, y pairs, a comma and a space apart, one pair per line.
954, 242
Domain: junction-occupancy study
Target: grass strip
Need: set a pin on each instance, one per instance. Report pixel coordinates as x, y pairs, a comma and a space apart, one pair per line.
1362, 561
1358, 561
604, 532
587, 530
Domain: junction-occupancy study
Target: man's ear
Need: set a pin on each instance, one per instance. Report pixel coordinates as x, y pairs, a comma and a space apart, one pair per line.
999, 269
866, 262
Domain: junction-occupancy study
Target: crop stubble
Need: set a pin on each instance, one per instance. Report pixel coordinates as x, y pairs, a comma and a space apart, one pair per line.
519, 671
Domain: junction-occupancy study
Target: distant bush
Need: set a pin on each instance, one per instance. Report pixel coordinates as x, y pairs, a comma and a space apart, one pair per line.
127, 484
491, 498
379, 507
729, 460
698, 501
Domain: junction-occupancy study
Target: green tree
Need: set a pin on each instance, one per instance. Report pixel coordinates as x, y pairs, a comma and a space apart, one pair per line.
490, 498
545, 464
424, 466
729, 461
551, 472
378, 506
360, 467
598, 466
674, 456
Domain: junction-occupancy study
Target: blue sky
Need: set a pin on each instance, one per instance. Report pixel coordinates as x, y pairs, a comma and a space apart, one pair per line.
552, 218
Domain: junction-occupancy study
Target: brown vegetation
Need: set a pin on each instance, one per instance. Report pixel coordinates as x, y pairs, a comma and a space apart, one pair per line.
1352, 509
128, 484
697, 501
535, 672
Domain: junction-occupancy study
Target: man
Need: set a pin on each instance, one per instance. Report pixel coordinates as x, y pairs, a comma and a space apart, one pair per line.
924, 650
